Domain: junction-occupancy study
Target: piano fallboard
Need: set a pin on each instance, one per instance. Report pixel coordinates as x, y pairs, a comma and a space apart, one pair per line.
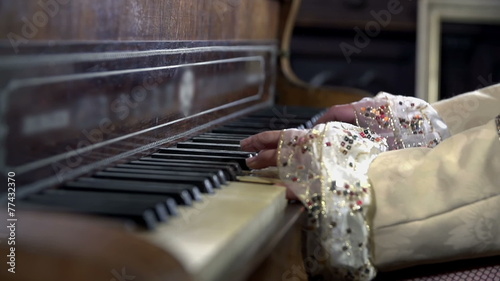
70, 108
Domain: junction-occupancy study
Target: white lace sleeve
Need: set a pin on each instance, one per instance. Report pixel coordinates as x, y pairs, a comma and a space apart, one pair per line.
403, 121
326, 167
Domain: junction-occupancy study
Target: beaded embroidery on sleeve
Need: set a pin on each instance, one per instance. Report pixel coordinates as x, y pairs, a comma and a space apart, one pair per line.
327, 169
403, 121
327, 166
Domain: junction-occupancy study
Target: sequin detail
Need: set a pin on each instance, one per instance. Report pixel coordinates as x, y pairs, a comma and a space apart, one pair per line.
329, 174
327, 168
403, 121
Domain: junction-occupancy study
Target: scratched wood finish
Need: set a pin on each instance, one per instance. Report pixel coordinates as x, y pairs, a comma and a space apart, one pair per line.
76, 105
27, 20
34, 27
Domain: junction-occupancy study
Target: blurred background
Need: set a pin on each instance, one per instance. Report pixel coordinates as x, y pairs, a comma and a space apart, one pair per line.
372, 45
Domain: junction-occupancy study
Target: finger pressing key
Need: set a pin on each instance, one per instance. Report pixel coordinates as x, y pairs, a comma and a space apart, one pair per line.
264, 159
261, 141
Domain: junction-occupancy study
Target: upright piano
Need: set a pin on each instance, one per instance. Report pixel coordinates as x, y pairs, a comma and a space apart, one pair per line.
120, 125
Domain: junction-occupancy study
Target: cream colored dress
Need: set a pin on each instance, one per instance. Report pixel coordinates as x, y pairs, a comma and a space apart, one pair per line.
399, 190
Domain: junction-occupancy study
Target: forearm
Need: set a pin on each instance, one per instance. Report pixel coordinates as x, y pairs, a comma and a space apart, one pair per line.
438, 204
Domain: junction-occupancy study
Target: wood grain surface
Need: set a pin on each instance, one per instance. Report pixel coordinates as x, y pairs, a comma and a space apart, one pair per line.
139, 20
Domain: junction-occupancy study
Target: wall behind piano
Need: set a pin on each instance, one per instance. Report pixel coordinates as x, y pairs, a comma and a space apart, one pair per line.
371, 45
331, 44
72, 73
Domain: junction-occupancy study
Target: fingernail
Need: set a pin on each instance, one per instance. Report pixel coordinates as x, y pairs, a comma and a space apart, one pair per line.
250, 159
243, 142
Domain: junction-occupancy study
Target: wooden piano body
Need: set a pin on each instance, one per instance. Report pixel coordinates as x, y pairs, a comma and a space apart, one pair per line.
85, 85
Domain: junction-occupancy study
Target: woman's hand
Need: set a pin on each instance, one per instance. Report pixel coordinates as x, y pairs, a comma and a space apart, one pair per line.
266, 144
342, 113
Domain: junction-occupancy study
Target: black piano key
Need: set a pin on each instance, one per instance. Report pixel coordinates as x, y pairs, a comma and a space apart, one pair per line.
202, 183
212, 146
284, 114
268, 124
229, 169
215, 155
239, 160
139, 213
184, 194
233, 167
157, 207
228, 136
216, 140
256, 119
242, 131
289, 112
175, 167
249, 124
167, 201
269, 121
180, 193
210, 152
138, 169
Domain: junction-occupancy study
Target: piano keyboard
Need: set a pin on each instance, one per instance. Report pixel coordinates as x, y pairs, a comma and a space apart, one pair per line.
189, 199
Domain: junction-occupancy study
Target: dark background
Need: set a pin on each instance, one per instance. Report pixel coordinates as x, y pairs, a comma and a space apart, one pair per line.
470, 52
